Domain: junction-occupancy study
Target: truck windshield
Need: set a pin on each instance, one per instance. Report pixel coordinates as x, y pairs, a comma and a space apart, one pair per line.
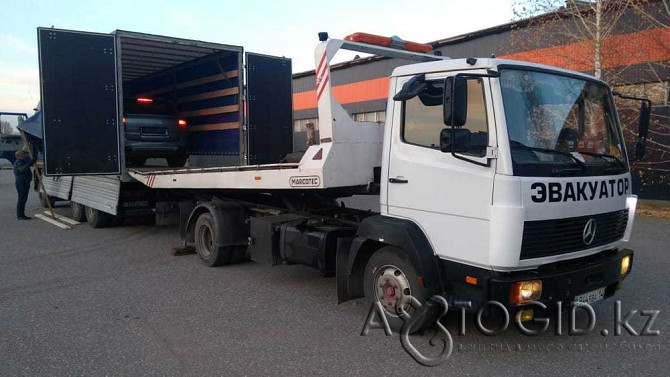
560, 125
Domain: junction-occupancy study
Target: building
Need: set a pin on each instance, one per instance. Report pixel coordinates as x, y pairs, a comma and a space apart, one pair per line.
635, 60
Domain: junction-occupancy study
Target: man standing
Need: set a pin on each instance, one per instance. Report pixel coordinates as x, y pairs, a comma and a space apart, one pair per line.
23, 177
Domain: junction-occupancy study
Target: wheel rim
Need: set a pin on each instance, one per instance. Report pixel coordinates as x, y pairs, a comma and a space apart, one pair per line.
206, 240
392, 289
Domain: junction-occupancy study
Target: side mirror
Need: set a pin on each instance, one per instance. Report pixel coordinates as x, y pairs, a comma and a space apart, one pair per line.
460, 142
643, 127
455, 101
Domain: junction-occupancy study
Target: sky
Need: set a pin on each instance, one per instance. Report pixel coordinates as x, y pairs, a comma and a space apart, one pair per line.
283, 28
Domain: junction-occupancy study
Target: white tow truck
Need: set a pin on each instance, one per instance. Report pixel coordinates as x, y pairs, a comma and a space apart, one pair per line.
497, 180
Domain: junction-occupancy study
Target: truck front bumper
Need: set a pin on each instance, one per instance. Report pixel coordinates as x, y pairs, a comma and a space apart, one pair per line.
561, 281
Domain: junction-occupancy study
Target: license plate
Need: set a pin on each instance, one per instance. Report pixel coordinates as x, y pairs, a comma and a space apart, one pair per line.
154, 130
591, 297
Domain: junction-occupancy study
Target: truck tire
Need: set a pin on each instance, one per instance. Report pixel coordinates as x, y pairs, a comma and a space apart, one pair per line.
210, 254
97, 219
78, 212
390, 278
177, 161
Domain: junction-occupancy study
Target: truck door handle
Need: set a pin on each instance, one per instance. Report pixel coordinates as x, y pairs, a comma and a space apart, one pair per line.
398, 180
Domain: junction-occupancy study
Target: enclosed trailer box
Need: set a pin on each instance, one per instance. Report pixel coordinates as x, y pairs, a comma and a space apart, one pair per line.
85, 78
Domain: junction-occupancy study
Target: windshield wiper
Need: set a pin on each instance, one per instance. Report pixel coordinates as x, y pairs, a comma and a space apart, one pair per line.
604, 156
582, 167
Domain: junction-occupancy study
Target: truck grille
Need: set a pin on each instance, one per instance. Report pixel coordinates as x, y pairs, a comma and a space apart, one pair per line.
562, 236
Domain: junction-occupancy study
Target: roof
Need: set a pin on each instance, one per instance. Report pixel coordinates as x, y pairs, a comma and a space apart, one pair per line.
482, 63
143, 54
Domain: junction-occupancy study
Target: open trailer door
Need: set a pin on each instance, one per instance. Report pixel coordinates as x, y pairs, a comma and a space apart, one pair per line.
79, 102
270, 108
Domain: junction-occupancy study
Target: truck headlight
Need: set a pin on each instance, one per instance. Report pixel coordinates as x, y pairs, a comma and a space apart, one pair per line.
523, 292
625, 265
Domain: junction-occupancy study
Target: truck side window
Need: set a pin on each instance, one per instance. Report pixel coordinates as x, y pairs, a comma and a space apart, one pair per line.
422, 118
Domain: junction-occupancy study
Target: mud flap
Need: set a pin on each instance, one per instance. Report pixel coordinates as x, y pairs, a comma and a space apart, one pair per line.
341, 267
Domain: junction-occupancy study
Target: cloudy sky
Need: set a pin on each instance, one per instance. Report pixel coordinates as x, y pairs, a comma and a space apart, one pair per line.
284, 28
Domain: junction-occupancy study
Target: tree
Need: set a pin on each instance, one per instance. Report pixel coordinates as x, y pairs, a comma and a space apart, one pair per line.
6, 127
624, 42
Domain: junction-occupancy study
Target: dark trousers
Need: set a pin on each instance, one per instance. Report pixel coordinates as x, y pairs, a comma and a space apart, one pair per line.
22, 188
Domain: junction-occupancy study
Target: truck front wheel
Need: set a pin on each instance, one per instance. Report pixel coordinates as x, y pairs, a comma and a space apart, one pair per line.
391, 279
211, 254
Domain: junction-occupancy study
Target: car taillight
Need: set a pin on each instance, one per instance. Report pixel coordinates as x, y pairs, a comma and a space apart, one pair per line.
181, 124
144, 100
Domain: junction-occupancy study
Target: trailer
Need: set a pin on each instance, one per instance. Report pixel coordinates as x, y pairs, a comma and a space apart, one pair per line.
221, 91
497, 180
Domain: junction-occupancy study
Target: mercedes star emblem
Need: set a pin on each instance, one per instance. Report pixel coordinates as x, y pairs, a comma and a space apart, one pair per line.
589, 231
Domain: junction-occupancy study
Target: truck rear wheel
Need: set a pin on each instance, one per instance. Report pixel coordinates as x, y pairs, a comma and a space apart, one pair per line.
211, 254
78, 212
390, 279
98, 219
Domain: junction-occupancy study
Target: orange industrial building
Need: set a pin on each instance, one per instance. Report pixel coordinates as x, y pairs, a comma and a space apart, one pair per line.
635, 60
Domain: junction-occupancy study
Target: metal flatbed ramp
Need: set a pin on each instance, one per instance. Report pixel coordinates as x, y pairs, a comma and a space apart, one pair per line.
52, 221
254, 177
166, 170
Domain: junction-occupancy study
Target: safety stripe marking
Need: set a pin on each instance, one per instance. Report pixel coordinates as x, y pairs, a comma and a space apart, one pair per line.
322, 76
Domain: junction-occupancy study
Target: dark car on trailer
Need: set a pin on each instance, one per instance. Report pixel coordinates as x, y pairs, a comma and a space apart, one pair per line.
153, 130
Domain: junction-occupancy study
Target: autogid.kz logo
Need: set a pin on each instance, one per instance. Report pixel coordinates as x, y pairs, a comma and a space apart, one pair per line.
428, 316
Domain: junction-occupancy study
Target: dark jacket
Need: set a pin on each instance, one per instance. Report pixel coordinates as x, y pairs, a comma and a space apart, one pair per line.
22, 170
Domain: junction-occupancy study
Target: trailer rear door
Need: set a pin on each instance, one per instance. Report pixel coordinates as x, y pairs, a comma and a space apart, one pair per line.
270, 108
79, 102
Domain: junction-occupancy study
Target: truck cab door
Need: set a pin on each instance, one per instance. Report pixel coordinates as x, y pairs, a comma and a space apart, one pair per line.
269, 108
78, 79
449, 198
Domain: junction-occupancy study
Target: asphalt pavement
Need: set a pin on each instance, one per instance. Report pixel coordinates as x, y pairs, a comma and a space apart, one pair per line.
115, 302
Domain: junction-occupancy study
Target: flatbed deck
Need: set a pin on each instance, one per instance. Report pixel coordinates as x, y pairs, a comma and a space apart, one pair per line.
162, 170
262, 177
